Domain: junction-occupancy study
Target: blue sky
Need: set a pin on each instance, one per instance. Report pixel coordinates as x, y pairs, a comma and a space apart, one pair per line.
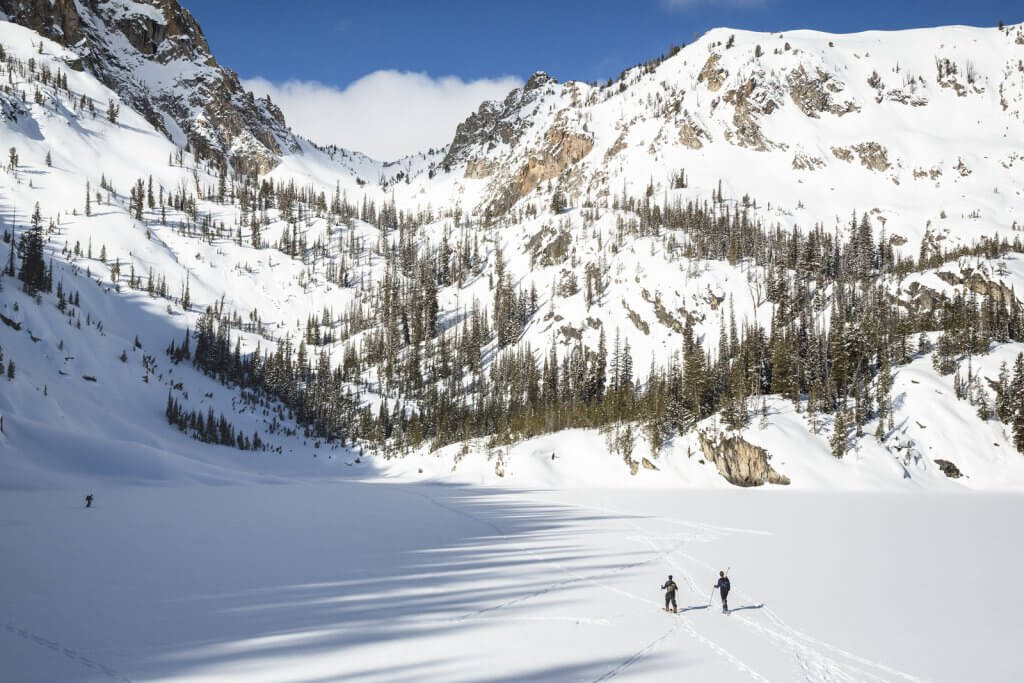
334, 45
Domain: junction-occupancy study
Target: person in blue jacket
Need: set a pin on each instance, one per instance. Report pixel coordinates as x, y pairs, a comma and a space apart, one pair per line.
723, 587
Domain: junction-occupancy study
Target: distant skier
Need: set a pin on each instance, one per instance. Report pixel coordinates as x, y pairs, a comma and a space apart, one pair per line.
88, 501
670, 589
723, 587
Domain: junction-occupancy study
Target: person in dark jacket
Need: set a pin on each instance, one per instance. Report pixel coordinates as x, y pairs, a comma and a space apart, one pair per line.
88, 501
723, 587
670, 589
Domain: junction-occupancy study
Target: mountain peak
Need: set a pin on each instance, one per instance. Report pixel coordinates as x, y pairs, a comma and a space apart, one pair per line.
182, 90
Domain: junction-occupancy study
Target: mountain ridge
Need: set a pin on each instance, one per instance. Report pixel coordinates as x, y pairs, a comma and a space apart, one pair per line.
154, 54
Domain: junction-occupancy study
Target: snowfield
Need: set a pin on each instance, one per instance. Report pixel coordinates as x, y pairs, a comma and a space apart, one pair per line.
370, 580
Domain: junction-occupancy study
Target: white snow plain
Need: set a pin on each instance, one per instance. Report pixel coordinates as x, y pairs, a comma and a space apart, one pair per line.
376, 580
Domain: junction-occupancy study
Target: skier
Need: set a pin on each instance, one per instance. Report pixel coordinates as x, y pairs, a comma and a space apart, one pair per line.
88, 501
670, 589
723, 586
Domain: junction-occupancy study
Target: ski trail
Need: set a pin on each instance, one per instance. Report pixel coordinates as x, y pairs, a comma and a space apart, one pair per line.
682, 623
804, 647
797, 635
816, 665
67, 652
574, 577
637, 655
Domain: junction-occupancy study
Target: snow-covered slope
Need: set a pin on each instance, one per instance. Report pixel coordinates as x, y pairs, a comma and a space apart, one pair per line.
813, 126
794, 129
154, 56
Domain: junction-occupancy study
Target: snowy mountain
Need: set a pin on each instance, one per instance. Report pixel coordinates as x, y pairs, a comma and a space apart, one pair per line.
153, 54
816, 124
762, 258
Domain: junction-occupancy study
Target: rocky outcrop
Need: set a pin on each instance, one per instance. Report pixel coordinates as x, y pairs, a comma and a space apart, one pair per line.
949, 469
713, 75
871, 154
491, 124
739, 462
977, 282
813, 94
750, 101
549, 248
154, 55
691, 134
480, 168
842, 153
924, 299
561, 149
806, 162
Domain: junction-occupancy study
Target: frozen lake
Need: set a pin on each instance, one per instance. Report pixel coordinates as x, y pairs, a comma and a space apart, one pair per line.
380, 581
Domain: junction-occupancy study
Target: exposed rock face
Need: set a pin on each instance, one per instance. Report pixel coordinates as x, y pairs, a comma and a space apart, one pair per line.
806, 162
554, 252
480, 168
186, 93
562, 148
749, 102
978, 283
692, 135
949, 469
813, 94
842, 153
740, 462
713, 75
494, 123
924, 298
871, 154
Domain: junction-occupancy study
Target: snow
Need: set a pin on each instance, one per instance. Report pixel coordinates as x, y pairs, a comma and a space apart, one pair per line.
367, 580
312, 561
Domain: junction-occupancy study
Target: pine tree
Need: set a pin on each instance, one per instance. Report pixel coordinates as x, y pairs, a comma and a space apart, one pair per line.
1017, 403
186, 295
33, 267
838, 439
883, 392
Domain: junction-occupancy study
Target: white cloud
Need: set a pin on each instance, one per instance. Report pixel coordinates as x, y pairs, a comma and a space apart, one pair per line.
385, 114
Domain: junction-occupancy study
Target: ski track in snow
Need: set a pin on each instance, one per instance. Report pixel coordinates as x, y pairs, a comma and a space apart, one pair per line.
67, 652
594, 580
682, 623
816, 665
